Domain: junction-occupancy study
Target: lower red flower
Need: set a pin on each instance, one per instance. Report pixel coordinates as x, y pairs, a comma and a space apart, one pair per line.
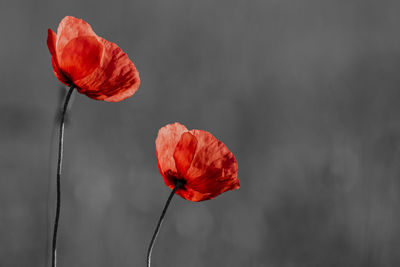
201, 164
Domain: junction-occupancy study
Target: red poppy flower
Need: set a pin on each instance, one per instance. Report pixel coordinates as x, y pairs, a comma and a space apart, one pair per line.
96, 67
203, 165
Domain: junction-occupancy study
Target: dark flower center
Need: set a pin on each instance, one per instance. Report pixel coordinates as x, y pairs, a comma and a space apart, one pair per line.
176, 179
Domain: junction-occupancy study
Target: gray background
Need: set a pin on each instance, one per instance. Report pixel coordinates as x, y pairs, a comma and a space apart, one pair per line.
304, 93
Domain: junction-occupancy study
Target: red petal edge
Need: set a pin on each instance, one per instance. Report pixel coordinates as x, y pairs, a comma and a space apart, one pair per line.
214, 168
51, 44
166, 142
114, 80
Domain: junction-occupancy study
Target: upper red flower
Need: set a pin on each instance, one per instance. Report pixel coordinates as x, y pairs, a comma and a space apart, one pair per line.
202, 164
97, 67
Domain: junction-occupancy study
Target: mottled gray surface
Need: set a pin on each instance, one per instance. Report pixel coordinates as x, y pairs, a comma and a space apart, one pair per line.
304, 93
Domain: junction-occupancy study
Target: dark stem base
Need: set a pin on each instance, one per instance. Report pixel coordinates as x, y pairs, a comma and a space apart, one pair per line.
160, 221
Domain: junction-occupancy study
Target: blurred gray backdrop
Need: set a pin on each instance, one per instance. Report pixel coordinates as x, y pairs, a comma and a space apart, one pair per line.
304, 93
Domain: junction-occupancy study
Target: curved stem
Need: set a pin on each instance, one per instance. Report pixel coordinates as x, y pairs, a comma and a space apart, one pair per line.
59, 165
160, 221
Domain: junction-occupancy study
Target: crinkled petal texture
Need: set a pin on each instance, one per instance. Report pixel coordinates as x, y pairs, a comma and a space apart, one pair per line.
97, 67
203, 164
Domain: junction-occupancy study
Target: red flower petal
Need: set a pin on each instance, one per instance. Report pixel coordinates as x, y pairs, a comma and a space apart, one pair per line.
51, 44
184, 152
115, 79
204, 164
71, 28
213, 169
211, 154
191, 195
60, 76
78, 48
80, 57
166, 142
97, 68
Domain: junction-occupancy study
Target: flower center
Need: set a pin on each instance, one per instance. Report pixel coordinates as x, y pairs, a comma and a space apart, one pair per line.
175, 179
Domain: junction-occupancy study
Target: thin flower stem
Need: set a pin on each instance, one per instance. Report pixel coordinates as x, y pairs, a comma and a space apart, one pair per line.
59, 165
160, 221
